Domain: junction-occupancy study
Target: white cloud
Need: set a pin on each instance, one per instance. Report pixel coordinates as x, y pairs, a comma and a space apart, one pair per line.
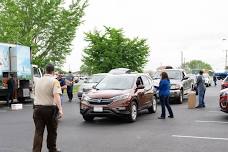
195, 27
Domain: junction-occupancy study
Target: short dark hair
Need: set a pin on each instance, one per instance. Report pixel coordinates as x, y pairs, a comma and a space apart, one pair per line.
11, 74
201, 72
50, 68
164, 75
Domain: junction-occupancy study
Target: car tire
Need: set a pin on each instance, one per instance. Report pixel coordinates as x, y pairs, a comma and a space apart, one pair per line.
21, 100
88, 118
181, 97
133, 112
153, 108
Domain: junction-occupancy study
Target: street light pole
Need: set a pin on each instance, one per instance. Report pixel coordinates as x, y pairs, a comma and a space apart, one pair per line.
226, 60
226, 56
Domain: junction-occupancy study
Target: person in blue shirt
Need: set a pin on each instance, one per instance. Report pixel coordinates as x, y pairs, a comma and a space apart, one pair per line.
164, 92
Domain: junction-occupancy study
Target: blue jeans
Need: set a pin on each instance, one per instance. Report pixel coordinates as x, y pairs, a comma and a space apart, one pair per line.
164, 100
201, 93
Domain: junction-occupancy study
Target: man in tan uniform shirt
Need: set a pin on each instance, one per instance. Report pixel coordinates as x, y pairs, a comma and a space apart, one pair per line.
47, 107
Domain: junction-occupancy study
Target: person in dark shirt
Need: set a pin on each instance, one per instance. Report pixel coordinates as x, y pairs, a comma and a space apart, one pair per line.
164, 92
200, 81
215, 79
69, 82
62, 84
10, 84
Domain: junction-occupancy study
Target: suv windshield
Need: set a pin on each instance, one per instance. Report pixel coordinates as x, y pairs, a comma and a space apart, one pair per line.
95, 78
173, 74
116, 83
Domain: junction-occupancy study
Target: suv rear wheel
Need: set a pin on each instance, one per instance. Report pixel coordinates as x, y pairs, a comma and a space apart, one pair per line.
133, 112
153, 108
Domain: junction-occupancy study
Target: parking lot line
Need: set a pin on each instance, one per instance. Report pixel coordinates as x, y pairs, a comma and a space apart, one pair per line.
220, 122
215, 112
198, 137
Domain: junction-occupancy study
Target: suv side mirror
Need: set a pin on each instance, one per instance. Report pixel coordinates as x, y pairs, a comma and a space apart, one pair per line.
140, 87
185, 78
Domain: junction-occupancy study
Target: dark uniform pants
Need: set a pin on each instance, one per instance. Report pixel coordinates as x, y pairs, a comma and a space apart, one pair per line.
10, 96
70, 92
45, 116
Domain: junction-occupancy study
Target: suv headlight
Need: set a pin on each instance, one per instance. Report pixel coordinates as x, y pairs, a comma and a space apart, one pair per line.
121, 97
85, 97
175, 86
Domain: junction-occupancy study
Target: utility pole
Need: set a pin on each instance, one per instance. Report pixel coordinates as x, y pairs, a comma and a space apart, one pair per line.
224, 39
182, 59
69, 68
226, 60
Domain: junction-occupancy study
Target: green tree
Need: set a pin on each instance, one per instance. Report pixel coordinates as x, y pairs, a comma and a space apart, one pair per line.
196, 65
112, 49
47, 26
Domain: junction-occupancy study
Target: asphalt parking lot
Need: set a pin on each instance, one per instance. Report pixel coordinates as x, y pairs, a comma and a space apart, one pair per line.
192, 130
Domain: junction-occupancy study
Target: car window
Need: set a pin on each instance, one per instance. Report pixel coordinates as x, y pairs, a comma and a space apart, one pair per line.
36, 72
183, 75
139, 81
146, 83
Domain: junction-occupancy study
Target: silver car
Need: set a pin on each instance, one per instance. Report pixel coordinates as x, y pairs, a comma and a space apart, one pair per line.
181, 84
90, 82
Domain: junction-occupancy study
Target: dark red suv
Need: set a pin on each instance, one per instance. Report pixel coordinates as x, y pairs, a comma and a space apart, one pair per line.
119, 95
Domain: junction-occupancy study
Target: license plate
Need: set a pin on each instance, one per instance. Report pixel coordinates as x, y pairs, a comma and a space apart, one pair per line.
98, 109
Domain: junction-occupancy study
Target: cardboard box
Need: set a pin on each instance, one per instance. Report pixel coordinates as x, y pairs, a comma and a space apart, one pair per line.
191, 100
17, 106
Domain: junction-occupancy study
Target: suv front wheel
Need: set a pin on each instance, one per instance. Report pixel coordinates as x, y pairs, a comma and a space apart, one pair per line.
181, 97
133, 112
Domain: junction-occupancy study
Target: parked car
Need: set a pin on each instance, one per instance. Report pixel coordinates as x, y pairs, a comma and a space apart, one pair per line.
89, 83
83, 78
221, 75
119, 95
224, 83
181, 84
208, 79
194, 86
223, 101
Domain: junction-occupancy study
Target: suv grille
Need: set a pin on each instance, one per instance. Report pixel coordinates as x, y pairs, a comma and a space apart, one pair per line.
100, 101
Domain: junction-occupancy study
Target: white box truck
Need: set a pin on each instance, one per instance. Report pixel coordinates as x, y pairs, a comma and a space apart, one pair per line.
16, 60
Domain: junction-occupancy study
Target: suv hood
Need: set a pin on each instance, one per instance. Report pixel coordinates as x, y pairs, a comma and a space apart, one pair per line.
88, 85
106, 94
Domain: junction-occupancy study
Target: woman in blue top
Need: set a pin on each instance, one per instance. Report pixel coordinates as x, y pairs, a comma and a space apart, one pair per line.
164, 92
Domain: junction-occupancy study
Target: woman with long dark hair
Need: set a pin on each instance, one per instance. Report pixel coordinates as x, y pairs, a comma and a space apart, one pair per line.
164, 92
